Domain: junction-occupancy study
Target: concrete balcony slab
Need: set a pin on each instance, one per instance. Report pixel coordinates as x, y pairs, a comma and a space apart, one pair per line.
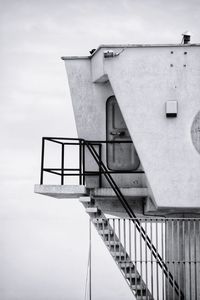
61, 191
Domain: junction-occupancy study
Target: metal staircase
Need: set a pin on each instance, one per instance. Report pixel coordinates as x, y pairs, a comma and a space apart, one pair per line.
117, 251
129, 270
131, 214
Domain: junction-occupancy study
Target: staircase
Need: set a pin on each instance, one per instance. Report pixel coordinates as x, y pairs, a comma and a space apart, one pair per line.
132, 273
117, 251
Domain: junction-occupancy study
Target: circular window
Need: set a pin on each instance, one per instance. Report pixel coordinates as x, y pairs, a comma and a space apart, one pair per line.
195, 132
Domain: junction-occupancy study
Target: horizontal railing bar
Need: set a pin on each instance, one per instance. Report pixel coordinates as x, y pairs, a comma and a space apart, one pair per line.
97, 142
53, 172
62, 138
96, 172
59, 169
71, 144
57, 142
156, 219
169, 261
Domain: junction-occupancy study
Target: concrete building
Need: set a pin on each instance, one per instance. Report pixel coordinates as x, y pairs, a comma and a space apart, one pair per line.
137, 112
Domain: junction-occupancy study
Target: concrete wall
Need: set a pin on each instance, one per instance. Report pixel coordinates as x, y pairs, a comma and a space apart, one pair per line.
143, 79
89, 104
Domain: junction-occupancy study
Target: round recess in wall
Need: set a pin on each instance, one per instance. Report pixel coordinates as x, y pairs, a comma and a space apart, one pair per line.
195, 132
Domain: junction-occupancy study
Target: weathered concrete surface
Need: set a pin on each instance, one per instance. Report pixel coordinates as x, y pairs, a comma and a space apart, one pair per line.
89, 105
143, 78
127, 192
61, 191
112, 206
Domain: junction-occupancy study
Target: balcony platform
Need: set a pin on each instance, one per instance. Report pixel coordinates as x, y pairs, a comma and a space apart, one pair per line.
61, 191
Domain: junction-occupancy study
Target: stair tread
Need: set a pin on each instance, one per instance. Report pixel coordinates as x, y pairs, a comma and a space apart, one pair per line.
91, 209
105, 231
117, 253
99, 221
133, 274
112, 243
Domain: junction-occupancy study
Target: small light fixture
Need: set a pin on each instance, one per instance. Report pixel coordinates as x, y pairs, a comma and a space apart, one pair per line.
171, 109
108, 53
92, 51
111, 53
186, 37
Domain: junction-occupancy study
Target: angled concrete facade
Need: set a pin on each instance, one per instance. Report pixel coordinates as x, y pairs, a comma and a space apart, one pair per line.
143, 78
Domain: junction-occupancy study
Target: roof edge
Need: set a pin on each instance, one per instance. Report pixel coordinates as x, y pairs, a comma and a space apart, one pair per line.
128, 46
74, 57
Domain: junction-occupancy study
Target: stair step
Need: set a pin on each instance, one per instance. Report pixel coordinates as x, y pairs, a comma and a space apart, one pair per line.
118, 253
132, 274
105, 231
85, 199
135, 281
143, 297
92, 210
140, 290
100, 221
112, 243
124, 265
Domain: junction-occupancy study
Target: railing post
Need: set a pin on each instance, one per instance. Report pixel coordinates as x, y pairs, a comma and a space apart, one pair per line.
83, 152
62, 163
80, 163
42, 161
100, 159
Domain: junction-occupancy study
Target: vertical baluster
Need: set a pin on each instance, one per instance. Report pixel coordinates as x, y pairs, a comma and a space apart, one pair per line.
189, 263
100, 158
163, 257
83, 148
62, 163
130, 238
178, 259
135, 245
119, 235
124, 238
42, 161
114, 239
124, 227
195, 259
108, 226
130, 250
80, 163
157, 282
184, 257
141, 258
167, 255
172, 256
152, 281
146, 259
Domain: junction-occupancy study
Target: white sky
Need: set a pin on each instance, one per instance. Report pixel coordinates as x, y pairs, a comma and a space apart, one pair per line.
43, 241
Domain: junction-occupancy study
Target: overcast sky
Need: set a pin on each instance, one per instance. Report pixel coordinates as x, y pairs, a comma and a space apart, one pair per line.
44, 241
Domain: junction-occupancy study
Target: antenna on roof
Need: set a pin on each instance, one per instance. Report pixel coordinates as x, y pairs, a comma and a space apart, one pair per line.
186, 37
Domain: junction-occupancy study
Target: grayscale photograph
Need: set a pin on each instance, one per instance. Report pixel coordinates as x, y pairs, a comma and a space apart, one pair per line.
100, 150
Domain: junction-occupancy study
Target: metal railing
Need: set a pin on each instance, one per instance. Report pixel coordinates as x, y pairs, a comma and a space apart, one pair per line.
103, 170
81, 171
177, 242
